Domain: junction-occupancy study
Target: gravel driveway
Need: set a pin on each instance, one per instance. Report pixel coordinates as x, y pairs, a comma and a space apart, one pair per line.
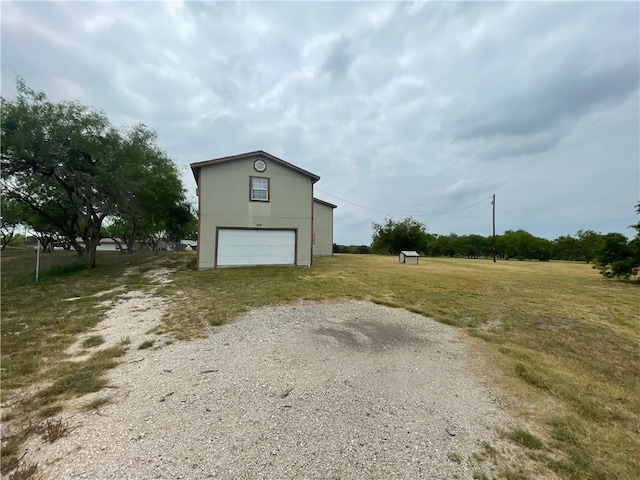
310, 390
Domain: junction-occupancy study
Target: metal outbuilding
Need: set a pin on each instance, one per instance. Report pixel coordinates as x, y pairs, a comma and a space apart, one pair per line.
409, 256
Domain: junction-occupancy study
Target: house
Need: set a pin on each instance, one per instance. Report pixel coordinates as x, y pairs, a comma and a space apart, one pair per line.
107, 244
188, 245
322, 228
409, 257
257, 209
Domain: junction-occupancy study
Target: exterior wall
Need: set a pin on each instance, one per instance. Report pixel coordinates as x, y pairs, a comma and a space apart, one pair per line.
224, 202
323, 230
411, 260
107, 247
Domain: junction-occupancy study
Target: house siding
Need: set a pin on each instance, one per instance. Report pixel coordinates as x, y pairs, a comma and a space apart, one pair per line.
224, 202
323, 230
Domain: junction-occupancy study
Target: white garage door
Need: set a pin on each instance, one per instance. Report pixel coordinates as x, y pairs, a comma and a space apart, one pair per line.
256, 247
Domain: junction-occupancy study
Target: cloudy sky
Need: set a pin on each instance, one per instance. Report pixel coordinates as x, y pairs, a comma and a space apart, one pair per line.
419, 109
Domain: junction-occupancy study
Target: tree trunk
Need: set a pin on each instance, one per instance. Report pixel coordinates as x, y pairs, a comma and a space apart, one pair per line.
92, 237
91, 262
92, 245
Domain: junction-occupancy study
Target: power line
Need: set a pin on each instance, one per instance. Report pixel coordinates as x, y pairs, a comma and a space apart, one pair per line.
405, 214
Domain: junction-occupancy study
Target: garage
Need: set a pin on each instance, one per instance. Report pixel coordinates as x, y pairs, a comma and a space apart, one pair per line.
246, 246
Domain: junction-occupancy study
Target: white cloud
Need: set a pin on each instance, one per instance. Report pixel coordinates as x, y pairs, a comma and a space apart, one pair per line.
398, 107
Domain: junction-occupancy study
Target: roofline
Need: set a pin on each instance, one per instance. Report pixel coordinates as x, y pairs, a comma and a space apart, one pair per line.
324, 203
196, 166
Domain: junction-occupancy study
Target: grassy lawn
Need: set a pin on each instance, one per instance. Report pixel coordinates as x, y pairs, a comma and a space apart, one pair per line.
564, 344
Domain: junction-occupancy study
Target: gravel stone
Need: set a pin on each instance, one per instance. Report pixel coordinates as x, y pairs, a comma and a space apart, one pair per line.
311, 390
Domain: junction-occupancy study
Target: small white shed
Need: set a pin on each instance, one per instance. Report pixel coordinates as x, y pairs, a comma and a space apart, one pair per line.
409, 256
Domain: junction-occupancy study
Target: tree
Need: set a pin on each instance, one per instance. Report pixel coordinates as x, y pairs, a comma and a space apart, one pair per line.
69, 165
393, 237
590, 242
522, 245
618, 258
152, 203
447, 245
182, 223
567, 247
9, 220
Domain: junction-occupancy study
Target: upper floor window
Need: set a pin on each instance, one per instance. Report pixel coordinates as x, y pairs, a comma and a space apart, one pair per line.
259, 189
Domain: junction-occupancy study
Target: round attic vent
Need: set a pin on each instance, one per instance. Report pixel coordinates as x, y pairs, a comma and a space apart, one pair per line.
260, 165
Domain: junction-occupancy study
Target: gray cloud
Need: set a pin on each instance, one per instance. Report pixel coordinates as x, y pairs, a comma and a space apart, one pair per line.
571, 94
339, 60
396, 106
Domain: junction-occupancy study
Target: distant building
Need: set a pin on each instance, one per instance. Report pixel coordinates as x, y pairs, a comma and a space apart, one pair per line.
409, 257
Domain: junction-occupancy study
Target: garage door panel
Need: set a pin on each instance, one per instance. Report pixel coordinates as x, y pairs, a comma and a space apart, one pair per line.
256, 247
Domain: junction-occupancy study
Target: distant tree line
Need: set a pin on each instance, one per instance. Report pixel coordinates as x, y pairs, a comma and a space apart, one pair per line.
612, 253
73, 178
360, 249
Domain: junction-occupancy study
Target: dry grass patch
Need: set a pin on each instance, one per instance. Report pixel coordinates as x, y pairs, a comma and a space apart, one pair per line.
558, 333
39, 323
562, 342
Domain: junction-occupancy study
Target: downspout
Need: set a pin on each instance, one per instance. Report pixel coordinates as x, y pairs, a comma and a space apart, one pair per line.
312, 224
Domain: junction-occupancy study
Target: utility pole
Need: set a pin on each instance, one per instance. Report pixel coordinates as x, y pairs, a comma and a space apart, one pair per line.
493, 202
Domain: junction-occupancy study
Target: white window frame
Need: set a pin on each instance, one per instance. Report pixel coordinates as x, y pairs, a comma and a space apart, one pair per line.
253, 189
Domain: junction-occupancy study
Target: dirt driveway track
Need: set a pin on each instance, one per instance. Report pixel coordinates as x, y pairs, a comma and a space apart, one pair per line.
307, 391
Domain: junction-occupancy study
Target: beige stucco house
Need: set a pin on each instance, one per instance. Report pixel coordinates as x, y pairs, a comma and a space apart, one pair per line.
257, 209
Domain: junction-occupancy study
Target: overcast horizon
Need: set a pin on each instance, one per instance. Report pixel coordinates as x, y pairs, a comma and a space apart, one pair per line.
412, 109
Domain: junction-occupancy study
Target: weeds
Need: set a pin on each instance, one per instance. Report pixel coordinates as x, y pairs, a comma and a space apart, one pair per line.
52, 430
93, 341
146, 344
24, 471
526, 439
77, 378
50, 410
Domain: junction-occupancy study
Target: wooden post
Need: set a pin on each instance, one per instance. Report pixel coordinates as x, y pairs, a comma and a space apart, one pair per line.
38, 261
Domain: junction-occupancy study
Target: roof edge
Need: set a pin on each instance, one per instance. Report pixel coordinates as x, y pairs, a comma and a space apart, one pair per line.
324, 203
196, 166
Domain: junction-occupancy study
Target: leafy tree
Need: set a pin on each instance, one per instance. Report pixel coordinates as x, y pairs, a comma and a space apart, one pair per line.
590, 242
152, 202
567, 247
617, 257
51, 159
363, 249
636, 226
181, 223
447, 245
70, 166
522, 245
9, 220
393, 237
473, 246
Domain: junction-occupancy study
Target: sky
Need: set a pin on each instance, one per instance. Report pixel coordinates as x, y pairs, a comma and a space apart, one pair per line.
422, 109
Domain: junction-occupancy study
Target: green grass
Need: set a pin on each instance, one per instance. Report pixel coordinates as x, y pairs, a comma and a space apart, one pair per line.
563, 342
525, 438
50, 410
97, 403
92, 341
146, 344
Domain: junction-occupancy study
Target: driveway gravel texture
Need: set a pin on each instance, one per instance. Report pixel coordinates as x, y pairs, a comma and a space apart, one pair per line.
312, 390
